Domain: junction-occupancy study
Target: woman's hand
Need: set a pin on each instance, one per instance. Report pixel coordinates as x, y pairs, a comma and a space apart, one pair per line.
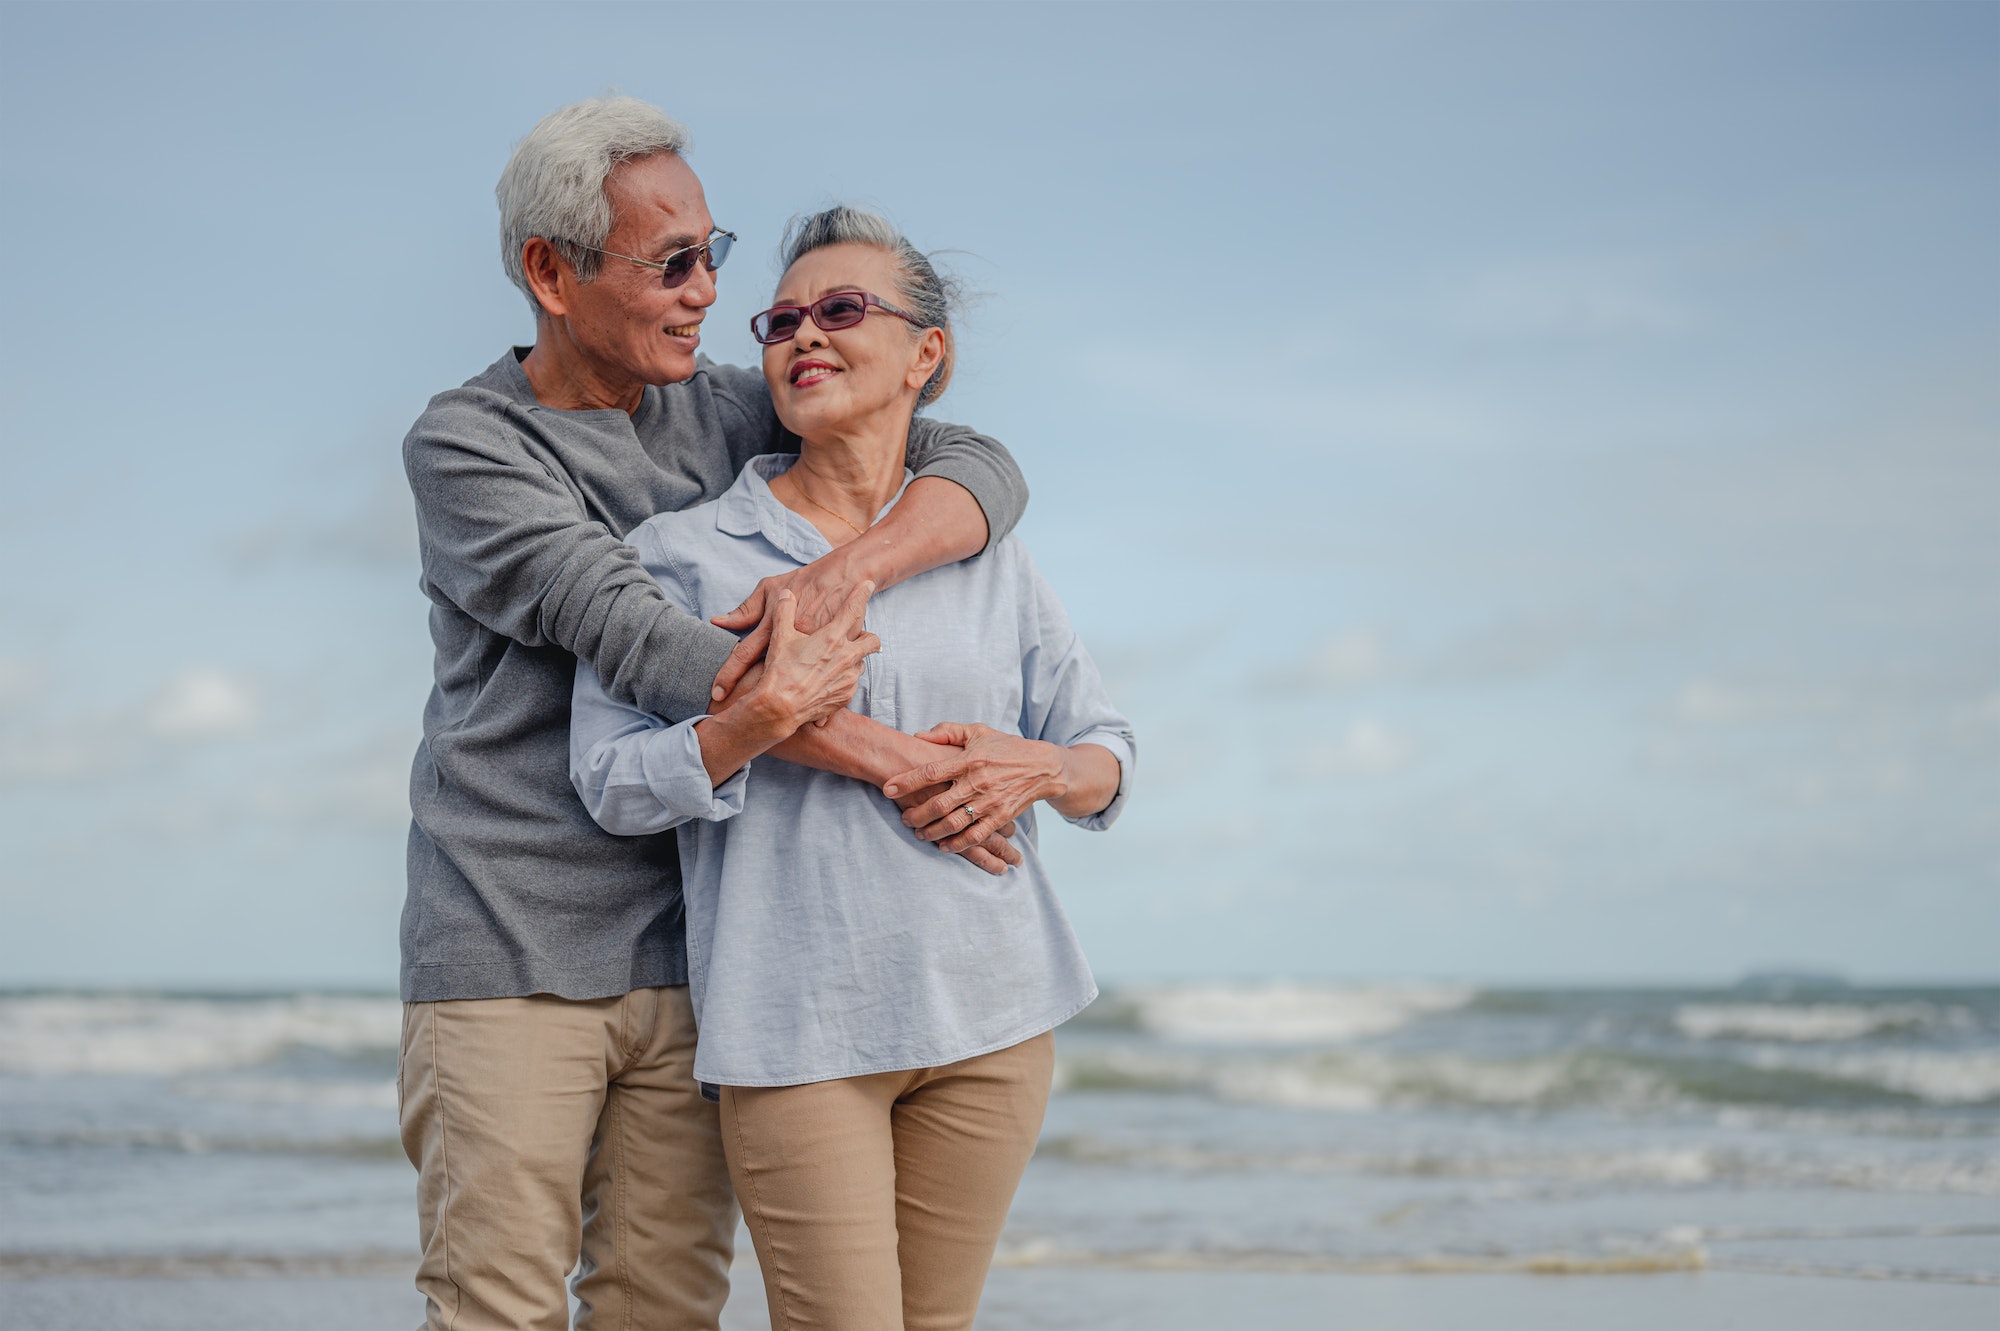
985, 786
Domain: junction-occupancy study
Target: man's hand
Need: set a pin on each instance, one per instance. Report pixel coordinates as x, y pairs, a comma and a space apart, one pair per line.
805, 678
971, 795
818, 589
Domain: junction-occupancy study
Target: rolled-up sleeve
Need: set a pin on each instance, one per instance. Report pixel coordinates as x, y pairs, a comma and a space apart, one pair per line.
1063, 699
637, 774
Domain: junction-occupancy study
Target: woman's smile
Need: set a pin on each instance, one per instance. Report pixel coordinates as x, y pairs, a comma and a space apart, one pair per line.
809, 372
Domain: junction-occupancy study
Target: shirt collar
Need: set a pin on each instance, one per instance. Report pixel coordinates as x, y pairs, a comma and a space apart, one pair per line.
748, 508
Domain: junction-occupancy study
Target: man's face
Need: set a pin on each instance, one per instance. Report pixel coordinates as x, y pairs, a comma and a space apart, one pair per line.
624, 318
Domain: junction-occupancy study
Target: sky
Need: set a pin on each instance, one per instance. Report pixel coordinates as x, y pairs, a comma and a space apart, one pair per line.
1529, 471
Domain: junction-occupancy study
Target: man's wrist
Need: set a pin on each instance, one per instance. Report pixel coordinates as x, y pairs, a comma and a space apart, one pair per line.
873, 557
753, 718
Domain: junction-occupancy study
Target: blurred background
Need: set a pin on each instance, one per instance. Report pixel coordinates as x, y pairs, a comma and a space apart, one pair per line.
1529, 471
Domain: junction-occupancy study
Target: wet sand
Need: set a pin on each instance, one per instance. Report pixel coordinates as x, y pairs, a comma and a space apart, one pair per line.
1110, 1300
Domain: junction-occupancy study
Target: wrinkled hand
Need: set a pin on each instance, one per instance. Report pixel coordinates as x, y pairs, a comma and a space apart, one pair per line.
807, 677
818, 590
996, 854
997, 774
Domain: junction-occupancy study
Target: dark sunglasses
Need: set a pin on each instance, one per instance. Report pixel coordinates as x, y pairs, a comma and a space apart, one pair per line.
678, 267
842, 309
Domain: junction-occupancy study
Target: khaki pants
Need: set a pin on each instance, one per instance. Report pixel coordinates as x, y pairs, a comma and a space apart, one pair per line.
875, 1202
551, 1134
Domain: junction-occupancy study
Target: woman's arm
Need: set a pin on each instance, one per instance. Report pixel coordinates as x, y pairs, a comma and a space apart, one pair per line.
1067, 721
997, 775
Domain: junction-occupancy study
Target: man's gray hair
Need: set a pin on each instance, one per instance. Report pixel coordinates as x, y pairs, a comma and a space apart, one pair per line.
553, 185
923, 293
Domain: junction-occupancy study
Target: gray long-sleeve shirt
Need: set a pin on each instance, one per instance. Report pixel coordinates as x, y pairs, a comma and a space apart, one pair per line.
521, 514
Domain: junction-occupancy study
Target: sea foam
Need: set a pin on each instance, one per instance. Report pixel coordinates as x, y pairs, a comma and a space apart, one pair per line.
1814, 1022
1286, 1013
138, 1035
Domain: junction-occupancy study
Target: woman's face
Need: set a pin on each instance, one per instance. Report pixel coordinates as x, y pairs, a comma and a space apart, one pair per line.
825, 384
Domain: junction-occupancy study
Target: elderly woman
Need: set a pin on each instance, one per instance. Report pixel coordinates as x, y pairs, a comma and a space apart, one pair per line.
877, 1015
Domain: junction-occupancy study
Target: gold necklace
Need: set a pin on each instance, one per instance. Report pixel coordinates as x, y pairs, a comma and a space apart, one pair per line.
793, 474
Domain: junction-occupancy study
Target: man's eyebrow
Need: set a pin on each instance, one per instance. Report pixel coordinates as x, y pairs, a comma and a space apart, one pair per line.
675, 242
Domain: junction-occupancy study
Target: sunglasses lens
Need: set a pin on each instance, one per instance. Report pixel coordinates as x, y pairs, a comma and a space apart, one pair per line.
775, 325
718, 249
679, 267
843, 309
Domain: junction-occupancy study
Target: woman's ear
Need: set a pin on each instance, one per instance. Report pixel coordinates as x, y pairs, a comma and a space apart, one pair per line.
929, 353
545, 272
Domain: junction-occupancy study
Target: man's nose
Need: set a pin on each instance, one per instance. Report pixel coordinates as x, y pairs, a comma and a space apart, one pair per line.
699, 289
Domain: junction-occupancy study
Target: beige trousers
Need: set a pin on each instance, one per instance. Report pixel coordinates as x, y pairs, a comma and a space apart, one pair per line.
875, 1202
550, 1134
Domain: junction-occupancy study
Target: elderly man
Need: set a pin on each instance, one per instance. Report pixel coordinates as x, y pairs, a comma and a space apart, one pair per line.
546, 1077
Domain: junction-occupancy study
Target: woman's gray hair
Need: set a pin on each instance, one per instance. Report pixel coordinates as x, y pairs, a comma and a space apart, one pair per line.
553, 185
923, 293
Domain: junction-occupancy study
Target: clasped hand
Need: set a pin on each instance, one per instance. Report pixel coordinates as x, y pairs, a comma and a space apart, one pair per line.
784, 636
961, 799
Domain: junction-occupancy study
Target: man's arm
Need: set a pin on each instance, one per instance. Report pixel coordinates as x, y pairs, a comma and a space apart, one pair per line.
934, 523
936, 450
506, 542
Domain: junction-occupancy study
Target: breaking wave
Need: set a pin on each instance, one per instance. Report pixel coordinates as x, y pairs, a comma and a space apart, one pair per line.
1281, 1013
139, 1035
1587, 1079
1816, 1022
1671, 1166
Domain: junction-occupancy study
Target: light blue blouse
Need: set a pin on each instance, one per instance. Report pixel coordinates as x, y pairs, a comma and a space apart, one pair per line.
824, 939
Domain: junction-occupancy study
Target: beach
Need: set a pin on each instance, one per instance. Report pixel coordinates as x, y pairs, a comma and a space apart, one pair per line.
1274, 1156
1100, 1301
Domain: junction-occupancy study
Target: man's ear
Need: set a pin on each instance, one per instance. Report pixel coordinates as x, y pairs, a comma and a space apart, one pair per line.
548, 275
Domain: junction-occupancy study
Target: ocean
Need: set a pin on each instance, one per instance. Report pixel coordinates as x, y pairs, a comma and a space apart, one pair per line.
1208, 1145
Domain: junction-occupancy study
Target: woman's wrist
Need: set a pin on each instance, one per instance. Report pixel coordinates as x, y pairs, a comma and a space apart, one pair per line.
1061, 778
1091, 775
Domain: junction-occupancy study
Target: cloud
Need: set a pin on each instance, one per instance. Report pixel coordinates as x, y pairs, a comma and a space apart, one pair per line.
195, 706
1979, 721
1593, 297
20, 681
75, 752
1707, 703
1511, 649
379, 530
1368, 749
1879, 779
1348, 660
201, 704
367, 788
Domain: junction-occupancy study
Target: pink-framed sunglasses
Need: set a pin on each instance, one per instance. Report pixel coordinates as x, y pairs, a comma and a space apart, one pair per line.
832, 312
